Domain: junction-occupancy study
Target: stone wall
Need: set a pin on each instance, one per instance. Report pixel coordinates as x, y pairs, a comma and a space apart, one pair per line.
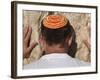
81, 23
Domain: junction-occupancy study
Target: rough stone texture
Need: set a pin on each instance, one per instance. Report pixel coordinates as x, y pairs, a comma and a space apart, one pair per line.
81, 23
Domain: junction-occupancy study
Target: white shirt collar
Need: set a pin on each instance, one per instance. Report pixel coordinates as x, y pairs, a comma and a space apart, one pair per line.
55, 55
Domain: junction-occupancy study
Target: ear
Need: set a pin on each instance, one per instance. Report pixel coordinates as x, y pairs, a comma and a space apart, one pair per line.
70, 41
40, 38
42, 42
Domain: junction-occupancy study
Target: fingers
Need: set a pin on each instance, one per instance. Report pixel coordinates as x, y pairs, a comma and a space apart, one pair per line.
33, 45
87, 44
25, 31
27, 47
28, 35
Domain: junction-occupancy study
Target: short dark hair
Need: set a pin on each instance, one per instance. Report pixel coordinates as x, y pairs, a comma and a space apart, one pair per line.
56, 36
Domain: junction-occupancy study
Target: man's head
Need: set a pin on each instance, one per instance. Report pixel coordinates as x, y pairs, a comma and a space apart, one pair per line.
56, 33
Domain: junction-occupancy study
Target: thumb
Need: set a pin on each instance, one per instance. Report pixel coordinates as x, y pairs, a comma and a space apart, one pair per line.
33, 45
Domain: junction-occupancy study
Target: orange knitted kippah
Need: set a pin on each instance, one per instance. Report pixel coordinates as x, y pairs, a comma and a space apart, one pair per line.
55, 21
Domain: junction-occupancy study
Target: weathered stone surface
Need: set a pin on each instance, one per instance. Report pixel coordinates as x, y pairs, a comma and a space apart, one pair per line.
81, 23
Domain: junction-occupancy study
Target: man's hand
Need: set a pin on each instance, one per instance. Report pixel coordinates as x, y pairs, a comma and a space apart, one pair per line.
87, 44
27, 47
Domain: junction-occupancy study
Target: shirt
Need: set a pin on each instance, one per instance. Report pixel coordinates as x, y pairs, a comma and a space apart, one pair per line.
56, 60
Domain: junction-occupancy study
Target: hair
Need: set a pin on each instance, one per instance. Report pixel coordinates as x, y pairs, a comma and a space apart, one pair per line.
56, 36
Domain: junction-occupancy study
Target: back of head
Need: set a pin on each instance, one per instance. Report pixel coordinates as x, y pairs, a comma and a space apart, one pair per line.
55, 29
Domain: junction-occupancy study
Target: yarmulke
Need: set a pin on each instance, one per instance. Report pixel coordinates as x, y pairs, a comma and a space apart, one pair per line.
55, 21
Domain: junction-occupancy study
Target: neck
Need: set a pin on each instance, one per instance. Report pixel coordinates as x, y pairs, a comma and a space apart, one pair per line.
55, 49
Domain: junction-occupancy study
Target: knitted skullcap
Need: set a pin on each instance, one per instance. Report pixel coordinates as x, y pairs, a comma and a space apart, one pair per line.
55, 21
